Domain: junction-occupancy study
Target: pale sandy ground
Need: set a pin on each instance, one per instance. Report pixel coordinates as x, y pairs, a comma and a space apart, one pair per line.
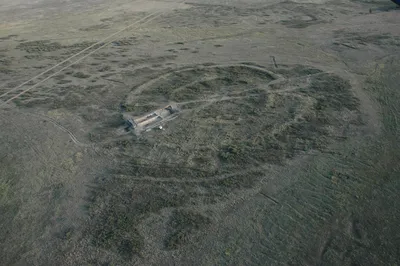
315, 184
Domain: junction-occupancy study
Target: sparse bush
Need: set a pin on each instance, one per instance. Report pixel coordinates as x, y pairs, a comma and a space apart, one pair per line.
230, 151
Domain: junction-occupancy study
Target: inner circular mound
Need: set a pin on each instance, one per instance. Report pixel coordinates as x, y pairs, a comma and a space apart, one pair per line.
237, 117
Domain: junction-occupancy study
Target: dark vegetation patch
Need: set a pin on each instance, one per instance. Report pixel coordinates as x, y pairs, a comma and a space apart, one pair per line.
232, 182
118, 204
359, 38
95, 27
8, 37
81, 75
182, 224
105, 68
332, 92
371, 2
147, 60
35, 57
5, 61
39, 46
64, 81
142, 167
48, 46
5, 70
125, 41
115, 230
59, 77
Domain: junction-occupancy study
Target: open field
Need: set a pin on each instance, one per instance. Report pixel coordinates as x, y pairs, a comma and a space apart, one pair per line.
284, 150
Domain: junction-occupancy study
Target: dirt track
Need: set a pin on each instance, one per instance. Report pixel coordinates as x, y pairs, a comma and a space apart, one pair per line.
285, 150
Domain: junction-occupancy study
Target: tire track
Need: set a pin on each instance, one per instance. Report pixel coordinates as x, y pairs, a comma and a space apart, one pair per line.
61, 127
62, 69
145, 20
